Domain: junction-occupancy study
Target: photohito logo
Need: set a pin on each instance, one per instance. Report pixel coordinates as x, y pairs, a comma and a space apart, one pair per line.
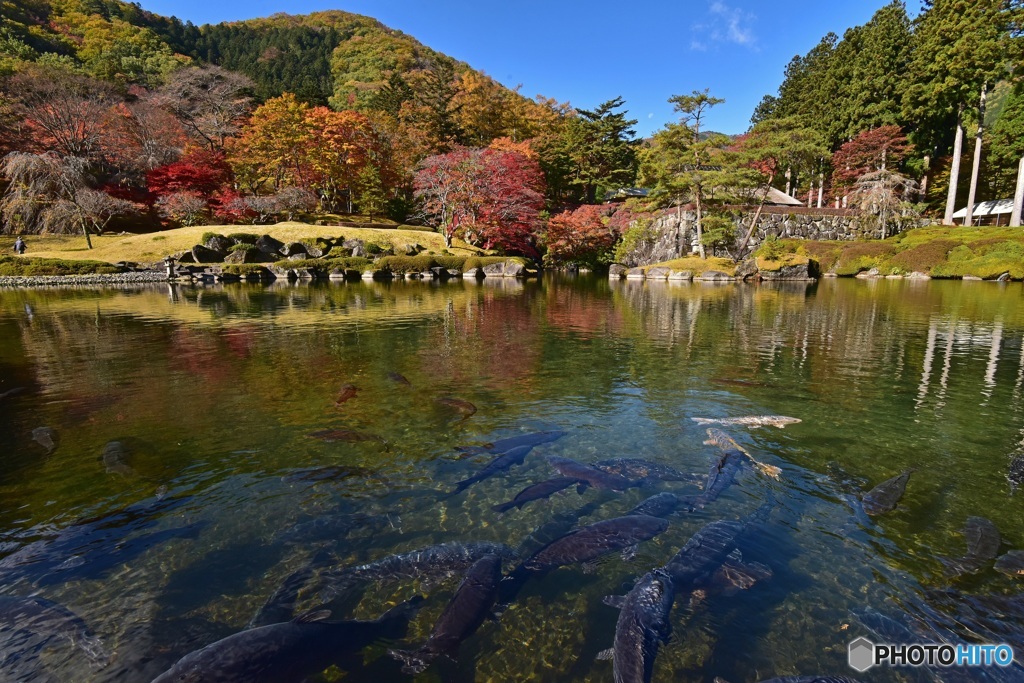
863, 654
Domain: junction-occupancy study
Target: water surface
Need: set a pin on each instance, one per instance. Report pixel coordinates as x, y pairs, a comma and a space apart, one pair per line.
214, 392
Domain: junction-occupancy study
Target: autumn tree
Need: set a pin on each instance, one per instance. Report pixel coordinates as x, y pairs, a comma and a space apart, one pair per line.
200, 172
492, 198
583, 236
63, 112
49, 193
210, 102
886, 194
271, 150
872, 150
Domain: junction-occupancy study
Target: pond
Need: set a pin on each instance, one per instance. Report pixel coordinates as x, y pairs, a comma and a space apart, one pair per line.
203, 447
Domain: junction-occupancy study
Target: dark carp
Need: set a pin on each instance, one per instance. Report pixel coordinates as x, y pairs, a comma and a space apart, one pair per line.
884, 497
583, 545
328, 473
710, 548
642, 626
1015, 475
501, 463
464, 408
507, 444
348, 391
336, 527
102, 536
592, 476
47, 619
540, 491
636, 469
345, 435
429, 565
115, 459
659, 505
466, 611
1011, 564
280, 606
45, 437
721, 475
983, 541
290, 652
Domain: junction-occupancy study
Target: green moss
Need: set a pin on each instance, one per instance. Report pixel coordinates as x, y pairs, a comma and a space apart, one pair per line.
243, 237
407, 264
15, 266
244, 269
207, 236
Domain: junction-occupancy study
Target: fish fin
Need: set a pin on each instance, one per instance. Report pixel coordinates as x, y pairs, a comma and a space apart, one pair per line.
629, 552
312, 616
581, 487
735, 556
616, 601
606, 654
703, 420
414, 662
503, 507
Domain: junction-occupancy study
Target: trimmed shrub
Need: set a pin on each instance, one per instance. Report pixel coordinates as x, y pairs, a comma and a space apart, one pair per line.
27, 267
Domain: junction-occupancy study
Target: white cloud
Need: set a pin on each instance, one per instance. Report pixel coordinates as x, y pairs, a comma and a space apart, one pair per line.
725, 24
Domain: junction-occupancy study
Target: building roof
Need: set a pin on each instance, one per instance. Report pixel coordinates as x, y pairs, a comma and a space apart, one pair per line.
625, 193
775, 197
992, 207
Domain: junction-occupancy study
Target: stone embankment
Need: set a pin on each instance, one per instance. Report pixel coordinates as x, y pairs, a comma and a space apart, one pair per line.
140, 277
747, 270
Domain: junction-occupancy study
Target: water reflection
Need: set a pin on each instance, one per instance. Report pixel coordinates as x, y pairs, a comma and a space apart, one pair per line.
215, 392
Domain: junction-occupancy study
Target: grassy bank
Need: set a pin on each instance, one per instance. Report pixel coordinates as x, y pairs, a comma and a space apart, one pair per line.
948, 252
154, 246
697, 265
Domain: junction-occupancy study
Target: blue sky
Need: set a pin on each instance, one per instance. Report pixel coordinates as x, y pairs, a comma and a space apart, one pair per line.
589, 52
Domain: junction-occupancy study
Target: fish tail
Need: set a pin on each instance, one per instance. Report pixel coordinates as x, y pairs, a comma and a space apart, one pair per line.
504, 507
414, 662
396, 620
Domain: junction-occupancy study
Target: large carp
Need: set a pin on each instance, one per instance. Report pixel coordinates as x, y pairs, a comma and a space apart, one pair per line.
467, 609
884, 497
643, 624
287, 653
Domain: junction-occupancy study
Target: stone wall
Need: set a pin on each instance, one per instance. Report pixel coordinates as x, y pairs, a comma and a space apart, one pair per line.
670, 238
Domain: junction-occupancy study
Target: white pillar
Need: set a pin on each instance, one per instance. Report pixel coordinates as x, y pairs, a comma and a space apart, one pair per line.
1018, 196
821, 188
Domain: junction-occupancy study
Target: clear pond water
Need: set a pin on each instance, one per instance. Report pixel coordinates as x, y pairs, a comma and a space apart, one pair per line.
175, 538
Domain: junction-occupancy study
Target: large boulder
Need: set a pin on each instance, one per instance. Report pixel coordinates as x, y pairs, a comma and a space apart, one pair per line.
477, 273
352, 243
245, 256
918, 275
413, 249
869, 274
220, 243
514, 269
714, 276
805, 271
294, 248
616, 271
686, 275
204, 255
494, 269
360, 250
658, 273
635, 274
268, 245
747, 269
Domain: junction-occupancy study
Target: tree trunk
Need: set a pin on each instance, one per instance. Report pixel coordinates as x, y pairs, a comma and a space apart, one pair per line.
700, 231
753, 223
954, 171
789, 181
821, 188
85, 231
1018, 197
976, 166
922, 193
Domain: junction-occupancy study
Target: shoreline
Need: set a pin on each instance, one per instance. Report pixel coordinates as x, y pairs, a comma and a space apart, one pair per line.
142, 277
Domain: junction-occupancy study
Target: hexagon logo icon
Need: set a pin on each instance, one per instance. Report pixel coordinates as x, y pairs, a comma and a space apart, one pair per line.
862, 654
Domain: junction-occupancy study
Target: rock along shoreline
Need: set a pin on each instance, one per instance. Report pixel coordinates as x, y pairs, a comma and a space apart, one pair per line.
92, 279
